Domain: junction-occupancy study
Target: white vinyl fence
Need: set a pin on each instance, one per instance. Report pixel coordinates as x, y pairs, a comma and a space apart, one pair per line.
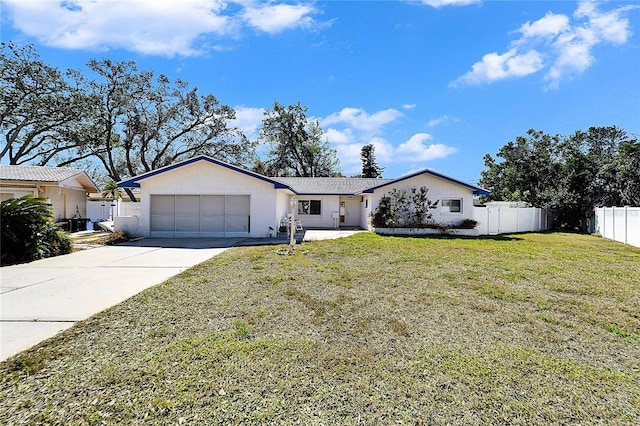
107, 210
621, 224
506, 218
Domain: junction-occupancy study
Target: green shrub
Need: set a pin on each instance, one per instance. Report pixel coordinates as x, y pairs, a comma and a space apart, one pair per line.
28, 232
404, 208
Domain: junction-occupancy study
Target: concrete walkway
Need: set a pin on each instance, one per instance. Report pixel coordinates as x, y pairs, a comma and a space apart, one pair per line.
42, 298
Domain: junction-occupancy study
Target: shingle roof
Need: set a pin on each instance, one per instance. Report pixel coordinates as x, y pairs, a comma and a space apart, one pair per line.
330, 185
37, 173
44, 174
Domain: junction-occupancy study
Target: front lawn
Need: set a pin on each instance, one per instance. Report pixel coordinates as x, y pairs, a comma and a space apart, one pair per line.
521, 329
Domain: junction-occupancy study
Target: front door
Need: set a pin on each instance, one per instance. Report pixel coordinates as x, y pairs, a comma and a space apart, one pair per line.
349, 211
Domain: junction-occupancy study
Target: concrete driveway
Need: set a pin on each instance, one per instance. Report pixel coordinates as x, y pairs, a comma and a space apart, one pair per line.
42, 298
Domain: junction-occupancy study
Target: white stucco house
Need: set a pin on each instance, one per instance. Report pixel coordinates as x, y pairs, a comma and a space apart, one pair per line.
205, 197
65, 188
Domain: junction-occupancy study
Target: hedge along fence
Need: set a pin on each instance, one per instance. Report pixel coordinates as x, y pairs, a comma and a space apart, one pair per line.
620, 224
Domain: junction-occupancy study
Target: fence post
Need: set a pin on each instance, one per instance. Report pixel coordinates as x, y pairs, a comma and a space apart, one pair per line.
488, 224
613, 221
626, 224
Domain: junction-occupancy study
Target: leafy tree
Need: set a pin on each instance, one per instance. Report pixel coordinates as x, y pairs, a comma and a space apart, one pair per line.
37, 104
297, 146
139, 123
568, 174
629, 172
128, 121
28, 232
528, 170
370, 168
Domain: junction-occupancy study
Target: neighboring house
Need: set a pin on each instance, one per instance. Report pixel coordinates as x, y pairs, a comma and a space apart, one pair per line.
205, 197
65, 188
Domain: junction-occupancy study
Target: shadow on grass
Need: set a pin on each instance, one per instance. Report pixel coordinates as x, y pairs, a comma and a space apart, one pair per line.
509, 237
206, 243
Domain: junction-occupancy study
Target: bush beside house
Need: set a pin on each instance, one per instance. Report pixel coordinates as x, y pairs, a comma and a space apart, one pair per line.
409, 212
28, 231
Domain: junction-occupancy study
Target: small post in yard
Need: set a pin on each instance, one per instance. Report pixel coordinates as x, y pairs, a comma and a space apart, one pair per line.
292, 226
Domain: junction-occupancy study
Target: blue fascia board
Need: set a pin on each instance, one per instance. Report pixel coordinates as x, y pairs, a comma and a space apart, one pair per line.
134, 182
327, 193
476, 189
481, 192
128, 184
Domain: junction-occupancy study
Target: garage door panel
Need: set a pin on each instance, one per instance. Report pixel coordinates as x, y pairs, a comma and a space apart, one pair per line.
163, 205
187, 224
212, 223
237, 224
200, 215
162, 223
237, 205
188, 205
212, 204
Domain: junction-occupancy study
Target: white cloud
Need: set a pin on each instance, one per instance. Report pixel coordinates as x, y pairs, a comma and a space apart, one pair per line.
349, 153
153, 27
558, 44
550, 25
275, 18
158, 27
494, 66
361, 120
249, 120
415, 149
339, 137
409, 106
442, 119
573, 49
351, 128
441, 3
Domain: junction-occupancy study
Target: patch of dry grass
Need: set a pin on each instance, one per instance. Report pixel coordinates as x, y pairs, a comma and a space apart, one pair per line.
523, 329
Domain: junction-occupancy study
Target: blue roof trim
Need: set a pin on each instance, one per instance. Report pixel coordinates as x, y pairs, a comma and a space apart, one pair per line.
476, 189
134, 182
327, 193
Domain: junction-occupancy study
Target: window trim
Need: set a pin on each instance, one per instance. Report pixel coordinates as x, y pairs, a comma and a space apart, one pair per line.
301, 211
447, 207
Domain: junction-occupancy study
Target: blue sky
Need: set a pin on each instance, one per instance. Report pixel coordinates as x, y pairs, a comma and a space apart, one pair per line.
432, 84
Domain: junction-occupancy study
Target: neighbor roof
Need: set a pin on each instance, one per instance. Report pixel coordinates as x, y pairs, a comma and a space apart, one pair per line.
45, 174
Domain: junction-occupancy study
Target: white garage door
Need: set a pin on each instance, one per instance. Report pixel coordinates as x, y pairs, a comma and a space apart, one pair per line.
200, 215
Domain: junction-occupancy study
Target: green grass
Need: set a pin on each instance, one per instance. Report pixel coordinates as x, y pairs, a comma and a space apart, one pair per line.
521, 329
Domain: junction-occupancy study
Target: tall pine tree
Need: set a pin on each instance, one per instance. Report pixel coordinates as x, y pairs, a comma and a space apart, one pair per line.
370, 168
